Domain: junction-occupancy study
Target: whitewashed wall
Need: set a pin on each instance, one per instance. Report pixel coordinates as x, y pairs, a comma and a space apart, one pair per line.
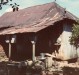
78, 52
67, 51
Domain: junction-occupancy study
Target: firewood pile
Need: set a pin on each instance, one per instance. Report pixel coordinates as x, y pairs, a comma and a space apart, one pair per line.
39, 67
26, 68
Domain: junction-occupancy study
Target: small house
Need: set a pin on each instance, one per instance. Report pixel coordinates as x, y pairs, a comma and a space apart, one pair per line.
45, 28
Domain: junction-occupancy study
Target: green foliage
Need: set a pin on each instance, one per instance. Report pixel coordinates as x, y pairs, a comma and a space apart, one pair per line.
3, 2
75, 34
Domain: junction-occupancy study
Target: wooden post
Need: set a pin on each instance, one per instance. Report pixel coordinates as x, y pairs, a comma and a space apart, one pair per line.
9, 40
33, 50
9, 50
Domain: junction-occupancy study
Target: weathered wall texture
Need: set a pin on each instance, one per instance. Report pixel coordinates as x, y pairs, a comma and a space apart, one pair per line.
77, 52
46, 39
66, 50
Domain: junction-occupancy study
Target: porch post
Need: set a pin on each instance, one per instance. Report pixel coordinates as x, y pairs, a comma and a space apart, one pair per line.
33, 50
9, 50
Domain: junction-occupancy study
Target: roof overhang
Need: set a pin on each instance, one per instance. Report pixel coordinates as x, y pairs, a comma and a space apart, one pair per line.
30, 29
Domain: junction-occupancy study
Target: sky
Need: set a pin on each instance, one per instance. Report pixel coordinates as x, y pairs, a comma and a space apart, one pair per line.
70, 5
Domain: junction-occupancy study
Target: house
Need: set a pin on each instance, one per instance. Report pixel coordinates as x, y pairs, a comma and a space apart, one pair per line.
45, 28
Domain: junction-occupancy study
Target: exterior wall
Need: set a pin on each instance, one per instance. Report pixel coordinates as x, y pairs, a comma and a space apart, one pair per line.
66, 50
78, 52
46, 40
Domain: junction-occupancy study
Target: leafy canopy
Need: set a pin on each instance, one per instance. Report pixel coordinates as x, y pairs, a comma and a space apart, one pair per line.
75, 34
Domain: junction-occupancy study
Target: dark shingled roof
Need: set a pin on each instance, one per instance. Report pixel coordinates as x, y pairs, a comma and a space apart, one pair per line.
33, 19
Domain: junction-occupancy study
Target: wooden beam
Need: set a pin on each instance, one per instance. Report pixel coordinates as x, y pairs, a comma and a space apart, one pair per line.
33, 50
9, 50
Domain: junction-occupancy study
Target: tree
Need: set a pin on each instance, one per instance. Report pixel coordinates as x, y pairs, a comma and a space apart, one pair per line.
74, 40
75, 34
3, 2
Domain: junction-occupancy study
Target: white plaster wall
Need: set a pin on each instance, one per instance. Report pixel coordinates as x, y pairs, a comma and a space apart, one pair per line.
66, 50
78, 52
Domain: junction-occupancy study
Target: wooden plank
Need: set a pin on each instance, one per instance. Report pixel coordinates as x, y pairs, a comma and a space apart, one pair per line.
9, 50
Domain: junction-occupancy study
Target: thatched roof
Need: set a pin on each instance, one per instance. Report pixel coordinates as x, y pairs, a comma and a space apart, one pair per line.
33, 19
